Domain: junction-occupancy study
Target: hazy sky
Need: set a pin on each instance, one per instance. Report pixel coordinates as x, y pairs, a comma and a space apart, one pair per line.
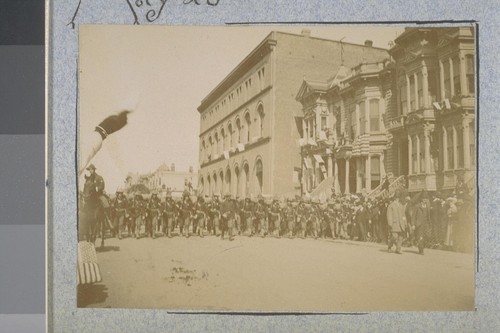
162, 73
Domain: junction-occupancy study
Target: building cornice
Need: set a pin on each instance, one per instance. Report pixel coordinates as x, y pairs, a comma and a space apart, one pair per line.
237, 73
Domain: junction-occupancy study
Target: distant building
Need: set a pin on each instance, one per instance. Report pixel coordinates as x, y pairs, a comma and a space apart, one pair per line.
251, 122
165, 179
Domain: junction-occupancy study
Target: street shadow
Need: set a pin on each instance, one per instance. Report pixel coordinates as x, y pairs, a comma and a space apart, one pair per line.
411, 251
91, 294
107, 248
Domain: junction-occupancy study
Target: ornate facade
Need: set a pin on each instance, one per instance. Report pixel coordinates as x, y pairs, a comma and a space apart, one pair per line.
409, 115
347, 146
433, 127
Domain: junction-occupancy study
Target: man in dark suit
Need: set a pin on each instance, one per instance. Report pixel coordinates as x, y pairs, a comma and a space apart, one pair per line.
421, 221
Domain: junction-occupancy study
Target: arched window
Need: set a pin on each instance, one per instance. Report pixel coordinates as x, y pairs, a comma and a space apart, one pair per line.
214, 184
260, 121
230, 135
238, 131
223, 139
210, 148
209, 188
259, 176
237, 180
228, 181
221, 183
216, 152
247, 125
246, 180
203, 151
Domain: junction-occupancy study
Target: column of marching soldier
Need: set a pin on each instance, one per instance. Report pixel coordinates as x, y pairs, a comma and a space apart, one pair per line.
428, 221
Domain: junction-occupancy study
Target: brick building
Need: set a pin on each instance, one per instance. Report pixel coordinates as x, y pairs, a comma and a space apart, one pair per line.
251, 122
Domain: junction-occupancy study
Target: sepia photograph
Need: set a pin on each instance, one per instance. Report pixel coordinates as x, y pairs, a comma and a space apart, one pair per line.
277, 168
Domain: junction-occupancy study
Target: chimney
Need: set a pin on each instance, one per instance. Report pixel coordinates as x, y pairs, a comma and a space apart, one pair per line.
306, 32
368, 43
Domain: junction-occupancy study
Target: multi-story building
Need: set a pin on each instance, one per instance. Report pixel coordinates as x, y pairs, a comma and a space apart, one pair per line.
412, 115
344, 141
433, 126
251, 122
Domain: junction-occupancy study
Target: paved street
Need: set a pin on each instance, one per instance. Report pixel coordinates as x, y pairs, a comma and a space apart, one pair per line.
253, 274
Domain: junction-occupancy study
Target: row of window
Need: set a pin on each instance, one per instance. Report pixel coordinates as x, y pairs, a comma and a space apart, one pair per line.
230, 136
451, 79
236, 97
236, 182
366, 125
450, 155
359, 123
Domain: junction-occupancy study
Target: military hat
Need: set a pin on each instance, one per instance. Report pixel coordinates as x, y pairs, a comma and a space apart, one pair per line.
91, 167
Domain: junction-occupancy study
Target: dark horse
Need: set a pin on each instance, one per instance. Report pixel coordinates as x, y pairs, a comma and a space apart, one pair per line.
93, 214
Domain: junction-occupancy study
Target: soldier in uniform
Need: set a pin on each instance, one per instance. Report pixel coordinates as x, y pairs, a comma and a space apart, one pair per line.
168, 216
201, 213
186, 212
238, 205
228, 211
302, 217
314, 219
261, 216
138, 210
324, 219
248, 216
275, 217
93, 210
290, 218
154, 215
331, 216
120, 206
179, 218
215, 216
